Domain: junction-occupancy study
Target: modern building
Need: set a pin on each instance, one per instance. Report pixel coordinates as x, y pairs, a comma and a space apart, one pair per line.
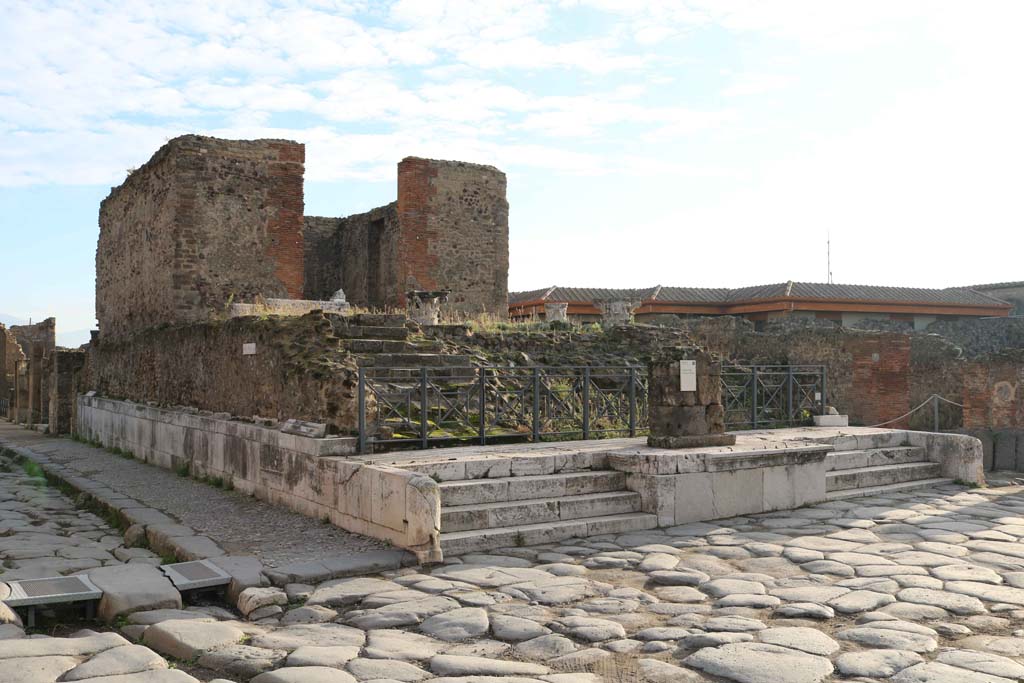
843, 304
1010, 292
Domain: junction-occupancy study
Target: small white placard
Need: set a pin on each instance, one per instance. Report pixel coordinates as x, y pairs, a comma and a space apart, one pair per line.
249, 349
687, 375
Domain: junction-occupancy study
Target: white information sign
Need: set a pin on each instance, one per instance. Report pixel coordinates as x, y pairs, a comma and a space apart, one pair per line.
687, 375
249, 349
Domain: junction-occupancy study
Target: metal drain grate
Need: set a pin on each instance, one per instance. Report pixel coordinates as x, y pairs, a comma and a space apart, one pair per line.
196, 574
52, 591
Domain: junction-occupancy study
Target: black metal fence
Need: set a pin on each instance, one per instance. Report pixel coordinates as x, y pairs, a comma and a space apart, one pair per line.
5, 407
424, 407
772, 396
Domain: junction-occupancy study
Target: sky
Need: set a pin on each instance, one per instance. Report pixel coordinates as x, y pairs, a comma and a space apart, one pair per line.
681, 142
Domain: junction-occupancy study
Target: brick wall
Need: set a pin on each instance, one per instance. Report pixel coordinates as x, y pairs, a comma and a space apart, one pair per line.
203, 222
880, 389
447, 230
454, 221
994, 392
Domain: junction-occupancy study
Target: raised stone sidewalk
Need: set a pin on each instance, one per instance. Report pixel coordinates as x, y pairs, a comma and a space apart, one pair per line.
190, 519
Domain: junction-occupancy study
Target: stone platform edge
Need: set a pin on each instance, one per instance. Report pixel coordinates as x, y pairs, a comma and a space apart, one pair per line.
387, 503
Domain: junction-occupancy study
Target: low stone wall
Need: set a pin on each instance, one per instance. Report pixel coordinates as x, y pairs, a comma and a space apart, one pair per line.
310, 476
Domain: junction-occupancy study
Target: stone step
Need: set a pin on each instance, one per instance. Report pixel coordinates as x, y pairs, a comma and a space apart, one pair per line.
882, 439
380, 319
873, 457
363, 345
864, 477
537, 511
370, 332
529, 487
887, 489
460, 542
418, 360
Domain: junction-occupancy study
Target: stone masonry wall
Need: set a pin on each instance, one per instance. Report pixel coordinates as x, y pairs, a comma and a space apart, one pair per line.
454, 219
37, 342
204, 222
299, 369
64, 365
447, 230
358, 254
10, 354
994, 392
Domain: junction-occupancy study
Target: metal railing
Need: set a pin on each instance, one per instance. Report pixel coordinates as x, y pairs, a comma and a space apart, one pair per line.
770, 396
5, 406
424, 407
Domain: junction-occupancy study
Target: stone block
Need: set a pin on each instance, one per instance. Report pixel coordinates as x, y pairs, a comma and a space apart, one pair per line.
694, 498
131, 588
1005, 449
831, 420
704, 441
715, 416
737, 492
678, 420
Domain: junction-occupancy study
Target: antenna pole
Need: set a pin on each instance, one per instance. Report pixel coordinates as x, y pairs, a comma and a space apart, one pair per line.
828, 252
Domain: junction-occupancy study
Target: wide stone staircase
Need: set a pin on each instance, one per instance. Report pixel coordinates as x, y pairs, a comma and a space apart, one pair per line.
501, 498
878, 464
383, 341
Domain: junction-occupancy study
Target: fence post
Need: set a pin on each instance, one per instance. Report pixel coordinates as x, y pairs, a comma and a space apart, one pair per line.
789, 394
935, 410
753, 397
586, 402
632, 401
483, 406
362, 410
536, 404
824, 389
424, 413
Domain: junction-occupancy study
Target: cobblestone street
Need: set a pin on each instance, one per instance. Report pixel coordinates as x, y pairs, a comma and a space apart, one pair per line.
923, 586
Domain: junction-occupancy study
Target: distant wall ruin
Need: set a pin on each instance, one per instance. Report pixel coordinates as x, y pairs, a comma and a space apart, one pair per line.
204, 222
447, 230
31, 381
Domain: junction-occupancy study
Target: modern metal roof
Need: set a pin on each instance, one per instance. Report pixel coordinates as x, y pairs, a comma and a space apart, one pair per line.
958, 296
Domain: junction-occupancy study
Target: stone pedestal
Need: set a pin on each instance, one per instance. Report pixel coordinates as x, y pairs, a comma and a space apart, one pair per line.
617, 312
556, 313
424, 308
686, 418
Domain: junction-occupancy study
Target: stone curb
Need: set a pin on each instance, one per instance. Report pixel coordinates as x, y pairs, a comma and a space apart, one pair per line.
183, 547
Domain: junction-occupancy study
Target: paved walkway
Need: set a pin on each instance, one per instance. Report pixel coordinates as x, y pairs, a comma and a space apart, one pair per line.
239, 524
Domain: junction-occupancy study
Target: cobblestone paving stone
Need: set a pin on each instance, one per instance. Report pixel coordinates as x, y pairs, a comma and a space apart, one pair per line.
42, 533
240, 524
931, 590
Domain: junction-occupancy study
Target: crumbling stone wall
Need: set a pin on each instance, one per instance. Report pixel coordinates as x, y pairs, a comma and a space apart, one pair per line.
981, 336
37, 342
994, 391
358, 254
10, 354
63, 366
204, 222
299, 369
448, 230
